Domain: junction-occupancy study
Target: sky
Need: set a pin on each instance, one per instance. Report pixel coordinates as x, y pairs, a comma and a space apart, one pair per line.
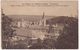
57, 8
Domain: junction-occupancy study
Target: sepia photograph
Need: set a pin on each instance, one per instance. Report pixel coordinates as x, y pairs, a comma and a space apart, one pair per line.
38, 24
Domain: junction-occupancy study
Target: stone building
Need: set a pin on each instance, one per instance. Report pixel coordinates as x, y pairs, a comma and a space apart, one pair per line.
26, 23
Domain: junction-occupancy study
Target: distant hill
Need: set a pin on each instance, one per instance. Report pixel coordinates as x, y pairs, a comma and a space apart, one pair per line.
28, 17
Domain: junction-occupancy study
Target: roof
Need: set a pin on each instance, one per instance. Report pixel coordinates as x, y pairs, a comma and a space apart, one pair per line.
23, 32
29, 32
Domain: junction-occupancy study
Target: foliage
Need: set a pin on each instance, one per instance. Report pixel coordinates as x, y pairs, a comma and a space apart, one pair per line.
37, 45
7, 31
61, 20
69, 37
50, 28
49, 43
45, 44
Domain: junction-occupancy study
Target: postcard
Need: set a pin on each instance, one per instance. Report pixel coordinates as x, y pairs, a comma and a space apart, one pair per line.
39, 24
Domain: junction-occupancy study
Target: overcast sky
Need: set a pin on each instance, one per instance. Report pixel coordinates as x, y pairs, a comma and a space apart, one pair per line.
59, 8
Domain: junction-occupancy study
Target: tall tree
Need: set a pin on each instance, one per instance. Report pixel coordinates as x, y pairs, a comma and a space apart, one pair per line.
7, 31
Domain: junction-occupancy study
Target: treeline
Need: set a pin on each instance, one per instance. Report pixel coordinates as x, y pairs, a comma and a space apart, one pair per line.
69, 37
62, 19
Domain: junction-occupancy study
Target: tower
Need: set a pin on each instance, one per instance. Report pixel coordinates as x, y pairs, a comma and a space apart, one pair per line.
43, 20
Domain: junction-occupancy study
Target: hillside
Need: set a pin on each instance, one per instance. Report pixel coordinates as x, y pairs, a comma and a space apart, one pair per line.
28, 17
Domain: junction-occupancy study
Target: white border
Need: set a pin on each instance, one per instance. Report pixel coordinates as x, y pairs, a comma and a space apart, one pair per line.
0, 24
45, 0
79, 24
39, 0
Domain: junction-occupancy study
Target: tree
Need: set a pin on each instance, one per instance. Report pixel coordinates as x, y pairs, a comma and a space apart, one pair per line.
7, 31
49, 43
69, 37
50, 27
37, 45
